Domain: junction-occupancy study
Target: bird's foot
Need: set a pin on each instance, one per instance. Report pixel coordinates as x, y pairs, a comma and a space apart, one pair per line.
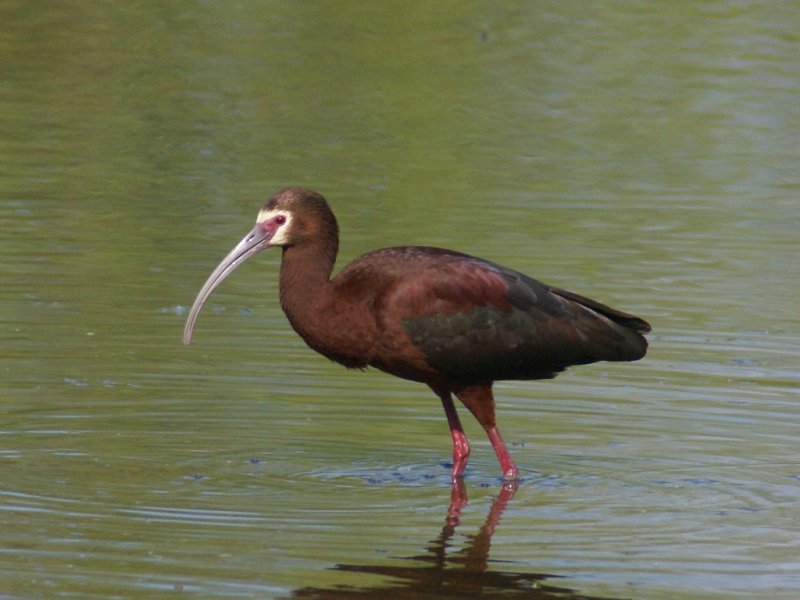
510, 473
460, 454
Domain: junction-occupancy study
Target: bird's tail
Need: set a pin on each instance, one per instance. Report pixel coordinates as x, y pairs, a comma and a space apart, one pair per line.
626, 330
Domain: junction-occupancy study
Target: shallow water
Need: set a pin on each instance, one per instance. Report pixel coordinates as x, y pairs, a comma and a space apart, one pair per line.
634, 154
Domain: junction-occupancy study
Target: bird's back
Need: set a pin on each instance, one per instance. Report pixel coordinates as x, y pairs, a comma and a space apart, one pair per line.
439, 314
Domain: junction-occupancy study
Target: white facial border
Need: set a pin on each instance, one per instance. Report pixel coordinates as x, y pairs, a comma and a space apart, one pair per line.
281, 235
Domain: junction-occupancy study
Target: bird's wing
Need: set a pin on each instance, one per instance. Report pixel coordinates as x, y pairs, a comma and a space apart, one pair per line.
476, 321
618, 316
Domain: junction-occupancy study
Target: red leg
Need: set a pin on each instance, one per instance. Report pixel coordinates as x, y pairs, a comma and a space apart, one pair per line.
480, 401
510, 471
460, 441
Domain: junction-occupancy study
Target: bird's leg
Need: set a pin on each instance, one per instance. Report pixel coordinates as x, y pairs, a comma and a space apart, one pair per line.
480, 401
510, 471
460, 441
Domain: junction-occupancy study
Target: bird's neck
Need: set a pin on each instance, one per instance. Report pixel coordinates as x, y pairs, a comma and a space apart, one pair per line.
305, 285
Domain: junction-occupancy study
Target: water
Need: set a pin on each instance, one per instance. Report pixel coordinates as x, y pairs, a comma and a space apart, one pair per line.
641, 154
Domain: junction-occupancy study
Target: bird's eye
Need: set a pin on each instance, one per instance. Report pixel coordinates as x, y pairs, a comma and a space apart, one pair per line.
280, 220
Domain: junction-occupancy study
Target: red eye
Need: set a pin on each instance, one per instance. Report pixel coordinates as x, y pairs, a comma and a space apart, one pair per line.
280, 220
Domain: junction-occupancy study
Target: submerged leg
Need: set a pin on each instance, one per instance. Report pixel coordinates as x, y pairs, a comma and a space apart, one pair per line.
480, 401
460, 441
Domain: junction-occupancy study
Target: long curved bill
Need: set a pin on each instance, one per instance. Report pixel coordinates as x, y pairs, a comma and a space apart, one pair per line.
253, 243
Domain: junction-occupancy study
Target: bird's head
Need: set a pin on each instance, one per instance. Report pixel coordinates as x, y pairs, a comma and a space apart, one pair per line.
291, 217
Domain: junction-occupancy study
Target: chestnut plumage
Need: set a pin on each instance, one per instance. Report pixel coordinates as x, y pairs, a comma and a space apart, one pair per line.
452, 321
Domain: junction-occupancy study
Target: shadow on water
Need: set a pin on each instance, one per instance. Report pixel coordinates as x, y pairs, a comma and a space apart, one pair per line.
441, 574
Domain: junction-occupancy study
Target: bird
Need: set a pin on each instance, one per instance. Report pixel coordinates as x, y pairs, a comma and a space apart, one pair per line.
443, 318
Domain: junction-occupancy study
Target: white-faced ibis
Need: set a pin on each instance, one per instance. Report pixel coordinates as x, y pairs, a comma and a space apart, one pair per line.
450, 320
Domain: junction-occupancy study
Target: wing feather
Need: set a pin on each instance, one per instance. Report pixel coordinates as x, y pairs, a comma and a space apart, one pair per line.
473, 321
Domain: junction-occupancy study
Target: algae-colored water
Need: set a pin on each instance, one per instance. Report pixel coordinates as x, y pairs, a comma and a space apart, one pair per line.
644, 154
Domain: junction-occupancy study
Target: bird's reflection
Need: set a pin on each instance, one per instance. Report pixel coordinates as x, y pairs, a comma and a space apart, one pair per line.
438, 573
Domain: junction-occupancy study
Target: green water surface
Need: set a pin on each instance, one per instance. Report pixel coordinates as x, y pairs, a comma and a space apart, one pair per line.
641, 153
